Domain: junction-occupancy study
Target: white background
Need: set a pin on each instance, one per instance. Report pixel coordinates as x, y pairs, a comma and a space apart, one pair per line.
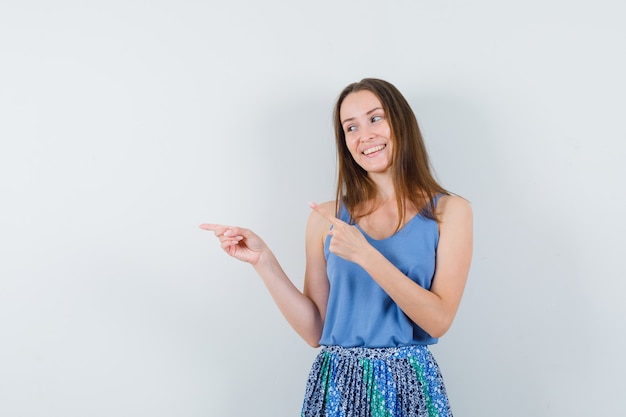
125, 124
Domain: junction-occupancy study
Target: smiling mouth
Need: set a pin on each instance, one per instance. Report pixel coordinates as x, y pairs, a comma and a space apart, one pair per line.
374, 149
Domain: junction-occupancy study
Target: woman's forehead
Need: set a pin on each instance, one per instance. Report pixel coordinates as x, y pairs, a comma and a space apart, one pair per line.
359, 103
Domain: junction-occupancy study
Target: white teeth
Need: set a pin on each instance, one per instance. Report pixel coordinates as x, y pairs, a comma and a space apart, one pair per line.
374, 149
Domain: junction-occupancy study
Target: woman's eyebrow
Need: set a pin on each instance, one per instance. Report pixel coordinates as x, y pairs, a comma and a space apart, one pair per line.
349, 119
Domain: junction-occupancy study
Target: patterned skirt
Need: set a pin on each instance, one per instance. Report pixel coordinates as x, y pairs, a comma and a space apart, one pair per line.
375, 382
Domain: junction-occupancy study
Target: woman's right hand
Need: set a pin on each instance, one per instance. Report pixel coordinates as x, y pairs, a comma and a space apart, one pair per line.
242, 244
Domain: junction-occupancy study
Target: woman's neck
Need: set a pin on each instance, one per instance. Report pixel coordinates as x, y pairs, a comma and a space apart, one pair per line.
384, 186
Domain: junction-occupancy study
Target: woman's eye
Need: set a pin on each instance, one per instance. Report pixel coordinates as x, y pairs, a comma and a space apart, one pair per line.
350, 128
376, 119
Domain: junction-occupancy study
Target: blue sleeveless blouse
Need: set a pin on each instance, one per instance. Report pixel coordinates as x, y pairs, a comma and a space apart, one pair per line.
359, 312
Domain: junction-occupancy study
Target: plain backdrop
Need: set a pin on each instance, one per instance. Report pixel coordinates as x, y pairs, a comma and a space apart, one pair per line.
126, 124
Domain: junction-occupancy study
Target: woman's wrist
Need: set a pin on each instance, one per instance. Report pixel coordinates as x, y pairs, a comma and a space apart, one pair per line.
368, 256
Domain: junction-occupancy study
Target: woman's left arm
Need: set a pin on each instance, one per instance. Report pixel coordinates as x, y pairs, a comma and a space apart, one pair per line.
433, 310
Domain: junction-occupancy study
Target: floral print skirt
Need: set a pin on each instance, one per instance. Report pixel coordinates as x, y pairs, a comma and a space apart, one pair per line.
375, 382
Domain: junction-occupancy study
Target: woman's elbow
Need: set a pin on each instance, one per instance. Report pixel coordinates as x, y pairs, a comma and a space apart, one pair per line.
312, 338
313, 341
440, 328
438, 333
313, 344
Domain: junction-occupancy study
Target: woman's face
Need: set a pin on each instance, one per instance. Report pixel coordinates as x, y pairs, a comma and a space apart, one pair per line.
367, 131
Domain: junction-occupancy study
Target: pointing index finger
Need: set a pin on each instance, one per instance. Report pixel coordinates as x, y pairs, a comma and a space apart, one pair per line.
207, 226
218, 229
325, 214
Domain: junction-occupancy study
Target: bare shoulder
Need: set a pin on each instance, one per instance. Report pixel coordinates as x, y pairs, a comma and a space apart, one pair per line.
455, 231
454, 208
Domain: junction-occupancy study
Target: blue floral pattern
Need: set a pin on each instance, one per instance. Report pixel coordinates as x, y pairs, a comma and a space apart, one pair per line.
375, 382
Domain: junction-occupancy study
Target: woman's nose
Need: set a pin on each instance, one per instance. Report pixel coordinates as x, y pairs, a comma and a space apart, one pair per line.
366, 134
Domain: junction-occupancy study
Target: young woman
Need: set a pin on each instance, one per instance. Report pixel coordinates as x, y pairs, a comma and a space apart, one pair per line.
386, 266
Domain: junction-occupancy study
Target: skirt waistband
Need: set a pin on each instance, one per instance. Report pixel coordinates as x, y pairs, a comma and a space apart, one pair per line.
384, 353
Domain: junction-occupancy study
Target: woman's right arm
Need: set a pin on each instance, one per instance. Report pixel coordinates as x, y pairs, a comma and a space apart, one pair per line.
304, 310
